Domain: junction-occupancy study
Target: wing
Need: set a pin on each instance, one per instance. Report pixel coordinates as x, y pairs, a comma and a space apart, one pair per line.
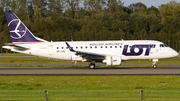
88, 55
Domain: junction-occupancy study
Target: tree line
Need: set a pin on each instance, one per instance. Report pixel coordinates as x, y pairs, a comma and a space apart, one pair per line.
88, 20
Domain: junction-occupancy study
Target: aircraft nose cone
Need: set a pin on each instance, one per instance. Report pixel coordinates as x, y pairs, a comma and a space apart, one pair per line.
175, 53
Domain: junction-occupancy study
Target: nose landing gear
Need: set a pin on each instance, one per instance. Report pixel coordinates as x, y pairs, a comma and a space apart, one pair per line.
154, 66
154, 63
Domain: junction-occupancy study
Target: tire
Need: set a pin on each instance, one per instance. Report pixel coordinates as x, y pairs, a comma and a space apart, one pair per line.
154, 66
92, 66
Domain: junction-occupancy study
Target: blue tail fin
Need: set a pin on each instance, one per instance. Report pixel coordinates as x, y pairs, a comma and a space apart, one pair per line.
19, 32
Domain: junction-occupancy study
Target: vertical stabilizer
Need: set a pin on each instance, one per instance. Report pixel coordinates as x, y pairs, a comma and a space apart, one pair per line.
18, 31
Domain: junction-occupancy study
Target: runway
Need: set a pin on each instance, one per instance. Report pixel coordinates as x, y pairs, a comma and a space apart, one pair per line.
125, 69
83, 71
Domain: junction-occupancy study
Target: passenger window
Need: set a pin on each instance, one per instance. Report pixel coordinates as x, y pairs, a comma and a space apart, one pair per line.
105, 46
76, 47
101, 46
95, 46
91, 47
62, 47
81, 47
110, 46
115, 46
57, 47
120, 47
86, 47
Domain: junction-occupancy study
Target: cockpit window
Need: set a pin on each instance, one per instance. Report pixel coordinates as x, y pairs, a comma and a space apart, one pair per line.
163, 45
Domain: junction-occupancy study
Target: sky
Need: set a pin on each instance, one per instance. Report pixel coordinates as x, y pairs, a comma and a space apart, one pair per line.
148, 3
0, 3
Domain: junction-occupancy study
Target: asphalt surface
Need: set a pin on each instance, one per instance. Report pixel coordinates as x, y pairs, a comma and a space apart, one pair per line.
86, 71
125, 69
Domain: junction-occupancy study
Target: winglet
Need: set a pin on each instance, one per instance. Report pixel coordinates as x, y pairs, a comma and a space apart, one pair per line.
70, 48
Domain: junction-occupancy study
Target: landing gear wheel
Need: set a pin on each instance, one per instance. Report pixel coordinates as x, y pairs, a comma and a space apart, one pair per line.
92, 66
154, 63
155, 66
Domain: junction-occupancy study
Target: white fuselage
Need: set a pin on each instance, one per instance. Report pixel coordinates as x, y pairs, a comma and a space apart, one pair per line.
127, 50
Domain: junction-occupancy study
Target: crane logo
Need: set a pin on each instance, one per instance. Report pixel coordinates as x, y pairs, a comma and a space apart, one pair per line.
17, 29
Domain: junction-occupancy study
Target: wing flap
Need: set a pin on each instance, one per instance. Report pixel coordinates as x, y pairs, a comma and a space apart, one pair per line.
89, 53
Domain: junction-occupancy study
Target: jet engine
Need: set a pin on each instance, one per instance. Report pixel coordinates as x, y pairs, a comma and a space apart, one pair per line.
112, 60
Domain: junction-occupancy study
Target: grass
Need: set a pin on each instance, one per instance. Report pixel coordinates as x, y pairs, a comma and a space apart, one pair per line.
89, 87
175, 61
13, 54
31, 60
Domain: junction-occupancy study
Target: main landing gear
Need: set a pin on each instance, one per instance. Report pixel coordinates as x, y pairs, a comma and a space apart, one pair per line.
92, 65
154, 63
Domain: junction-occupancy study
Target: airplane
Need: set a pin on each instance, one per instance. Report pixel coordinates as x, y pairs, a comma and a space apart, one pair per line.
109, 52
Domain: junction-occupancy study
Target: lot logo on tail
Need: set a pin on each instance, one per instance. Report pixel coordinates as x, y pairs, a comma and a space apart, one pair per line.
17, 29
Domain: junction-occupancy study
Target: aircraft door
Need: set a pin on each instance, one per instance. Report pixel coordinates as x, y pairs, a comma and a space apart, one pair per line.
152, 48
50, 49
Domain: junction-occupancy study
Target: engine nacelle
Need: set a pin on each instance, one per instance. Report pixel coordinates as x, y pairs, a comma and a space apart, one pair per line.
112, 60
77, 58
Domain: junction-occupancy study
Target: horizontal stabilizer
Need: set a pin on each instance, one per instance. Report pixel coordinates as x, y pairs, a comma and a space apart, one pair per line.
9, 45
